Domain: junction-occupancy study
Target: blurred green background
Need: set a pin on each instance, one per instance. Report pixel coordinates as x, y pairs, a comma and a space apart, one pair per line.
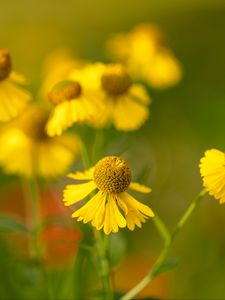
185, 120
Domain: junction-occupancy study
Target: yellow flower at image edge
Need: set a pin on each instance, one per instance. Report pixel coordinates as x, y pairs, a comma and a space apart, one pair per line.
26, 149
212, 169
112, 177
13, 99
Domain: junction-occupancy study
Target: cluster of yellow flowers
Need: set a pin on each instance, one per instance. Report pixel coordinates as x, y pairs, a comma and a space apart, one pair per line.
33, 138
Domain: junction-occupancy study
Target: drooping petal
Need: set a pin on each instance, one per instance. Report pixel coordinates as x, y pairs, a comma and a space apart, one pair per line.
91, 209
137, 212
139, 187
86, 175
13, 100
76, 192
139, 94
129, 114
113, 217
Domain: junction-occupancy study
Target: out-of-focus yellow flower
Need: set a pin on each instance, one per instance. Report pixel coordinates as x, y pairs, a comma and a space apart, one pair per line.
122, 103
26, 149
112, 177
212, 169
13, 99
56, 68
144, 53
72, 104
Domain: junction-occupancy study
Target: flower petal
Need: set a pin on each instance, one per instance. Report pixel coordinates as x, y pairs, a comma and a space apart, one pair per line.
76, 192
86, 175
139, 188
136, 114
134, 204
113, 217
89, 211
137, 212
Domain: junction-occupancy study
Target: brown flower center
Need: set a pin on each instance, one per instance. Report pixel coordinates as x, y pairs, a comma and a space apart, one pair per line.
115, 80
5, 63
33, 123
65, 91
112, 175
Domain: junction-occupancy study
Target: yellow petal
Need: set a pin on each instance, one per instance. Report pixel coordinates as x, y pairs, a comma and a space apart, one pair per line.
139, 188
113, 217
138, 93
129, 114
13, 100
132, 202
86, 175
89, 211
76, 192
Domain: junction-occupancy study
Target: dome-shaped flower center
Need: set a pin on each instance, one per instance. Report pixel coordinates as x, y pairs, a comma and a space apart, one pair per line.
112, 175
115, 80
5, 63
64, 91
33, 123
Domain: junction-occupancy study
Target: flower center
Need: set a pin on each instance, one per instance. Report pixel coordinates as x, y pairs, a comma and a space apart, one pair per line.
5, 63
115, 80
64, 91
112, 175
33, 123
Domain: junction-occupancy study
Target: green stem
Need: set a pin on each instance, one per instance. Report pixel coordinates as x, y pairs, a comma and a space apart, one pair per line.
168, 242
35, 217
85, 246
102, 249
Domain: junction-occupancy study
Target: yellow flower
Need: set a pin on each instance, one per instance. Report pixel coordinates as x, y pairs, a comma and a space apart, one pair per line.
26, 149
57, 66
13, 99
144, 53
72, 104
111, 176
121, 102
212, 169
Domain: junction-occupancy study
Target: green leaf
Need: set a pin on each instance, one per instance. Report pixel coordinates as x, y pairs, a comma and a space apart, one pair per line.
10, 224
166, 266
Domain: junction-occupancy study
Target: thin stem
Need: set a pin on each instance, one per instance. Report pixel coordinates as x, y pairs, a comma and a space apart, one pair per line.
154, 272
188, 212
161, 227
102, 249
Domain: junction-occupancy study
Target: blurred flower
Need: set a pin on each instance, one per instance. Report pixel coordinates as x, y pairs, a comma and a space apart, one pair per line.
121, 102
112, 177
144, 53
27, 150
13, 99
57, 66
212, 169
73, 104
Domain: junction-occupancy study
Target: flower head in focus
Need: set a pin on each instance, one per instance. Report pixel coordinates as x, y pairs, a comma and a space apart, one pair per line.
13, 99
212, 169
111, 207
144, 53
26, 149
123, 103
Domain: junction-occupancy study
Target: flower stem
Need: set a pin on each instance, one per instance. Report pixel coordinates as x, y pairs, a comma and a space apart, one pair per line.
155, 271
103, 243
31, 197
